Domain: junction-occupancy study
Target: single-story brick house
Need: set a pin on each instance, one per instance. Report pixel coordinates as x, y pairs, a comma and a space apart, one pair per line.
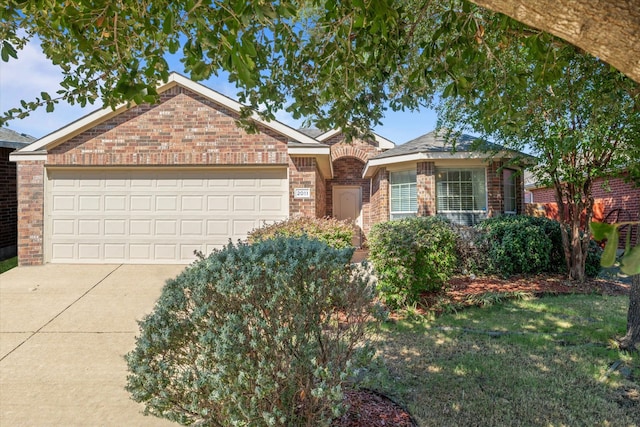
9, 142
153, 183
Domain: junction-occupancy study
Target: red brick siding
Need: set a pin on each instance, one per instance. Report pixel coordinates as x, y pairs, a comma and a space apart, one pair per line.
426, 188
321, 195
495, 193
30, 212
519, 193
183, 129
303, 174
380, 196
8, 205
617, 195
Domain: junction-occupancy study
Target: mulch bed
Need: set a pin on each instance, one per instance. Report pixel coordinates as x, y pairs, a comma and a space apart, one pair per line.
368, 408
371, 409
460, 288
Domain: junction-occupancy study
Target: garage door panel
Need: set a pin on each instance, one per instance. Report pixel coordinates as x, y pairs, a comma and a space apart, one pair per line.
218, 203
140, 227
244, 203
89, 251
156, 215
63, 251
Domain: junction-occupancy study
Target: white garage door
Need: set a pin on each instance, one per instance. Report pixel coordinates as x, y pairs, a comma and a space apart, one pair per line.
156, 215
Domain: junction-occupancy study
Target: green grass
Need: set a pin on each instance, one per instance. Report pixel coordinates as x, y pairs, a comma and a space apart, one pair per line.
530, 362
8, 264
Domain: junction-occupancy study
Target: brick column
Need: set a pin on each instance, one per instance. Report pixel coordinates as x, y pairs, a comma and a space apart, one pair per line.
495, 191
30, 212
302, 174
380, 197
426, 188
519, 182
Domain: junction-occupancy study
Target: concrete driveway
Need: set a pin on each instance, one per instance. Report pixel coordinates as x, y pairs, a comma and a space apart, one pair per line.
64, 330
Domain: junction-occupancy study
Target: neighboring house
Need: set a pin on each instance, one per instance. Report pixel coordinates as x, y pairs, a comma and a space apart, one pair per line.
620, 200
9, 141
154, 183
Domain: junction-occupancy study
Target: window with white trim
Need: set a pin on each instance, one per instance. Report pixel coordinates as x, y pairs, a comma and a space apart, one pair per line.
509, 187
404, 197
461, 194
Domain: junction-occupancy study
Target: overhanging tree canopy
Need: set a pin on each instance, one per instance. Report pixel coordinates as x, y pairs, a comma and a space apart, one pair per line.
340, 62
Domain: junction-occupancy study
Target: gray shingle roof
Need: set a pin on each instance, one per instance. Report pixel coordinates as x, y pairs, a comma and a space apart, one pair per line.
435, 143
13, 139
312, 132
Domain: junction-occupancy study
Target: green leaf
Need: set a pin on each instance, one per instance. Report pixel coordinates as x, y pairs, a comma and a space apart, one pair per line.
630, 263
609, 253
167, 24
602, 230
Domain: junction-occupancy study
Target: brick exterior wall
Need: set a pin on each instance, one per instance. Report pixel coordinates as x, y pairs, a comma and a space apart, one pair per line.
617, 195
380, 196
426, 188
495, 191
321, 195
302, 174
30, 212
183, 129
8, 205
519, 179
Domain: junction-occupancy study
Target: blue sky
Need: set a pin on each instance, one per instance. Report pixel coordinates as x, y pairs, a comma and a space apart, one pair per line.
33, 73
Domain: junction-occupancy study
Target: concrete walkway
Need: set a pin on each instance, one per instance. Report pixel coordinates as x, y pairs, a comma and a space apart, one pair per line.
64, 330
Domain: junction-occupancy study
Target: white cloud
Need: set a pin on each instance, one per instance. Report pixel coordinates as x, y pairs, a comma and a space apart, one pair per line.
24, 79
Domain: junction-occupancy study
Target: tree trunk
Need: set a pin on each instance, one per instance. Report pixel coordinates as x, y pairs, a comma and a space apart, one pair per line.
631, 341
575, 242
606, 29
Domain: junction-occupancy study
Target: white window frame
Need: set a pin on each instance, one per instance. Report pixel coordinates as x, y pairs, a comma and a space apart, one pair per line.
463, 169
403, 213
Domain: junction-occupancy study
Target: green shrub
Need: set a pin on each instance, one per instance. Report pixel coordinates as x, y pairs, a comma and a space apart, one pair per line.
333, 232
411, 256
521, 244
254, 335
525, 244
592, 266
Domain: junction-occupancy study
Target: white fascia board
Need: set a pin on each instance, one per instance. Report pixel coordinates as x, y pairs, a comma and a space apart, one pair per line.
384, 143
72, 129
309, 151
328, 134
218, 98
32, 156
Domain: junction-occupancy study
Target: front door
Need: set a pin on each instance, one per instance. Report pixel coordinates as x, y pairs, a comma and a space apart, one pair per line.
347, 204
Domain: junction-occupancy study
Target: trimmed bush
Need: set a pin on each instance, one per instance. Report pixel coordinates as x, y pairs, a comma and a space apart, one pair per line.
524, 244
335, 233
254, 335
520, 244
411, 256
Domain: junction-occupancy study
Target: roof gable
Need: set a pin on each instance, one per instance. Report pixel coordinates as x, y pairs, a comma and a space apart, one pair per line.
91, 120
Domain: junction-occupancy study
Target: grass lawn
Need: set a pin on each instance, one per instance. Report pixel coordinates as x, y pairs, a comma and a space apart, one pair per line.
8, 264
529, 362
